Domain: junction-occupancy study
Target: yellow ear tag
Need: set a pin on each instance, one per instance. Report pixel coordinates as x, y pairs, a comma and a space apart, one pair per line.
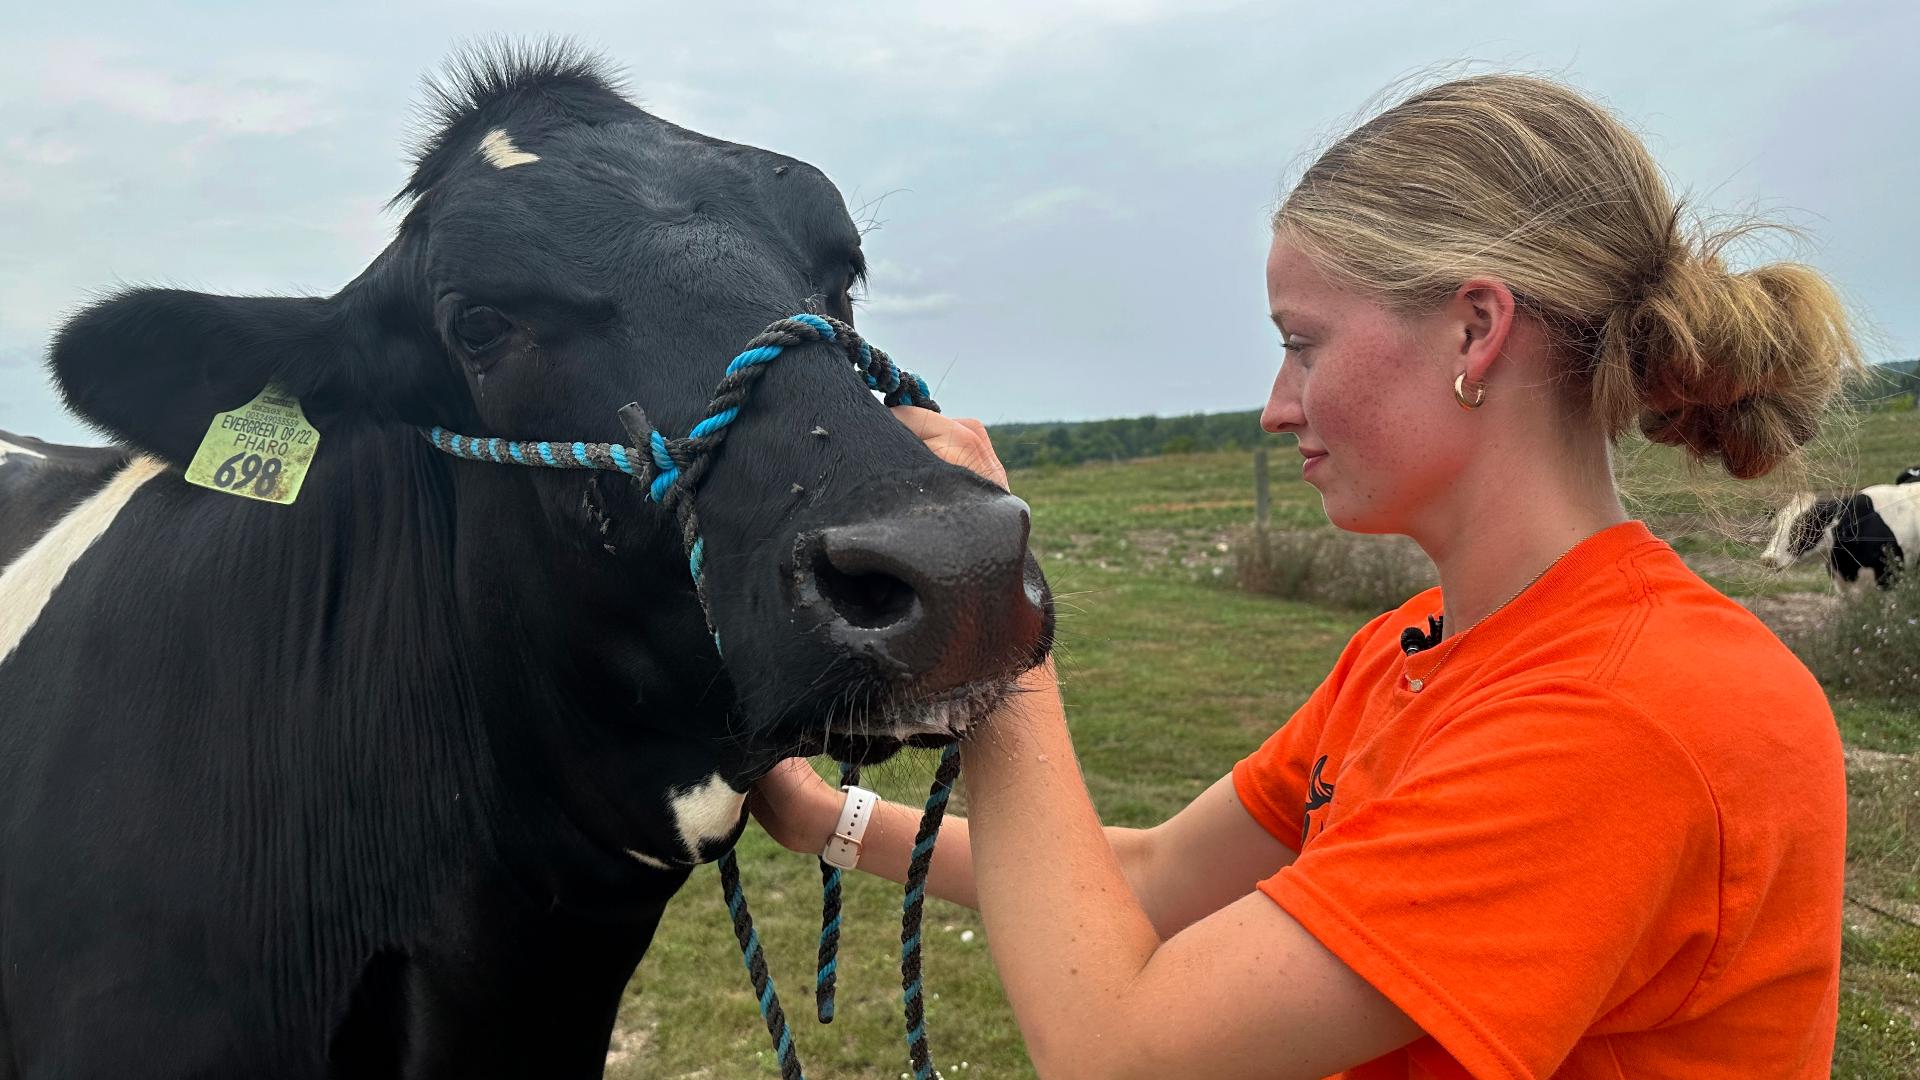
261, 450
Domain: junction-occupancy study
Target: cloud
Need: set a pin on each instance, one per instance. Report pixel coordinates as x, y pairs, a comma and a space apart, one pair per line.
1007, 23
240, 99
1069, 198
911, 305
40, 149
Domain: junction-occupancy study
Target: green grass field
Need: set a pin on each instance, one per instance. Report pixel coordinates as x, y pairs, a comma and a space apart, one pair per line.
1171, 675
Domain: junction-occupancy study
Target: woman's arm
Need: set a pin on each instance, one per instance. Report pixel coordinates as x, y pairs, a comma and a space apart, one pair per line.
1203, 858
1242, 992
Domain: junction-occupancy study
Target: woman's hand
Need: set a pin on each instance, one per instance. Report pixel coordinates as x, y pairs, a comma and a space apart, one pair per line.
795, 806
960, 441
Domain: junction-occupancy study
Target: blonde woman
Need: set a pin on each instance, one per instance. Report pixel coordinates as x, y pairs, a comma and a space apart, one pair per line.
1571, 814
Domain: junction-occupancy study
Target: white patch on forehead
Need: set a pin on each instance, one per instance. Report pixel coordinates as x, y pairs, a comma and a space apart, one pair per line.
29, 581
706, 813
500, 152
7, 448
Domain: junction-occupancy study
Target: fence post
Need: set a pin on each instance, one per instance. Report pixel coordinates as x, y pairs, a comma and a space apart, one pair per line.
1262, 546
1260, 503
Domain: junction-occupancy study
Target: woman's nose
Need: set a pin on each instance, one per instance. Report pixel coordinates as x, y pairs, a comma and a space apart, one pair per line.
1282, 411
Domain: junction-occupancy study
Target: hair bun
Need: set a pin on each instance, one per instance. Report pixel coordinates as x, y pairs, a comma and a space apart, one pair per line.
1737, 367
1749, 436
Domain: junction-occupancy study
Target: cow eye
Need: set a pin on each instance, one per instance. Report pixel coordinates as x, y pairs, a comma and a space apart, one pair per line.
480, 328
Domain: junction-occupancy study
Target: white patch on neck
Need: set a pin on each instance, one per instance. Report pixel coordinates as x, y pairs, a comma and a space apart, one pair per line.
648, 860
30, 580
7, 448
500, 152
706, 813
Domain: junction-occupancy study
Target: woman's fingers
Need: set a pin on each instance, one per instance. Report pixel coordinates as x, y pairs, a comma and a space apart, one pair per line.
960, 441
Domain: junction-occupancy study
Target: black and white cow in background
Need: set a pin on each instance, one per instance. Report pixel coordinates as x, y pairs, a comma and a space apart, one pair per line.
1872, 535
395, 781
1908, 475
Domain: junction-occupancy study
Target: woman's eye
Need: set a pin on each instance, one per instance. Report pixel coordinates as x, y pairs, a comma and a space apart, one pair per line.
479, 328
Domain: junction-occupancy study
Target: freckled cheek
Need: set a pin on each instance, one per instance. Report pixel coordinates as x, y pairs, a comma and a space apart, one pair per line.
1345, 418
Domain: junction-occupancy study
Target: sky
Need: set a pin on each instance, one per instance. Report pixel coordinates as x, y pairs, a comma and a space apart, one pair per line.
1066, 202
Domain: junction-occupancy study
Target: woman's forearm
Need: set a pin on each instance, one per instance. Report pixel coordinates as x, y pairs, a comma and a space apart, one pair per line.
1068, 934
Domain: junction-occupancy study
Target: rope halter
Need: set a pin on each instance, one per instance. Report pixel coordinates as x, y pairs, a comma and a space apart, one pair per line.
671, 470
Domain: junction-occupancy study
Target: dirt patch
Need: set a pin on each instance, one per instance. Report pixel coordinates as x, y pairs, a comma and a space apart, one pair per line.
1154, 544
1791, 615
627, 1043
1182, 507
1873, 761
1867, 911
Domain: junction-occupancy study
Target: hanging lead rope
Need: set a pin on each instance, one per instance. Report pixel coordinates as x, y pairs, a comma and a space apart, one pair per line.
756, 961
672, 469
826, 976
912, 905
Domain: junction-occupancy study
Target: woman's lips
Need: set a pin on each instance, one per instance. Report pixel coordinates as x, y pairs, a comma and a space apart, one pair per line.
1313, 457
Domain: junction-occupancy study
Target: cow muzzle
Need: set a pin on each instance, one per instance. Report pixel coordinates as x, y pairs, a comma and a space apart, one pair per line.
932, 601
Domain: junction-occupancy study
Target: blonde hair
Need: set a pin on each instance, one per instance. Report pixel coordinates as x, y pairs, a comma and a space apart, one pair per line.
1525, 180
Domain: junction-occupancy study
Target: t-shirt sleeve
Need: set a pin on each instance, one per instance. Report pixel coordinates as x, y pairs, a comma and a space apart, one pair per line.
1538, 859
1272, 781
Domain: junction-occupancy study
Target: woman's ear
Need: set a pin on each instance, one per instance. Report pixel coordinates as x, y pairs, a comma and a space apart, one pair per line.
1482, 312
152, 367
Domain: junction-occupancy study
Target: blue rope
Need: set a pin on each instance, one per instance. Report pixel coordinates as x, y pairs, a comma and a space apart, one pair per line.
672, 469
756, 961
825, 977
912, 907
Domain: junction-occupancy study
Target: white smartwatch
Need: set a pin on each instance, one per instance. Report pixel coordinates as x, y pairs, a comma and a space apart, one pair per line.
843, 847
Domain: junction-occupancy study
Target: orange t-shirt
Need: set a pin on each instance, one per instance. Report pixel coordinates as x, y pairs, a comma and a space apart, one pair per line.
1606, 839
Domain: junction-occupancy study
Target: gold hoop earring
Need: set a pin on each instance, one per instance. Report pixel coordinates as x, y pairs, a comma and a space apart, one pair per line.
1479, 397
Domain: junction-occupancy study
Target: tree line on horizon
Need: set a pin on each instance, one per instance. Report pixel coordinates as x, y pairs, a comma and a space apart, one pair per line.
1072, 442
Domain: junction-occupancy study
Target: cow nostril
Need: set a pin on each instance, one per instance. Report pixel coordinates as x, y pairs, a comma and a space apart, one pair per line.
871, 601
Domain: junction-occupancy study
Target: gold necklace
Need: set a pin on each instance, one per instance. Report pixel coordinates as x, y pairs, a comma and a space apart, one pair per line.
1417, 685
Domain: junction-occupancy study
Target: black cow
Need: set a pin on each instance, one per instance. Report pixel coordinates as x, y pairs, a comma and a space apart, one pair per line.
40, 481
396, 780
1908, 475
1870, 535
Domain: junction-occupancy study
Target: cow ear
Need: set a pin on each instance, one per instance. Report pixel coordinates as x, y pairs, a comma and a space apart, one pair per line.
153, 366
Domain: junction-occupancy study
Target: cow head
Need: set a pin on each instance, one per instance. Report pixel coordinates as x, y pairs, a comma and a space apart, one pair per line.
564, 253
1801, 529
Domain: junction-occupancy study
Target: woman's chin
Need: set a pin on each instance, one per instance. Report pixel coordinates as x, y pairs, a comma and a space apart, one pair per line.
1348, 518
